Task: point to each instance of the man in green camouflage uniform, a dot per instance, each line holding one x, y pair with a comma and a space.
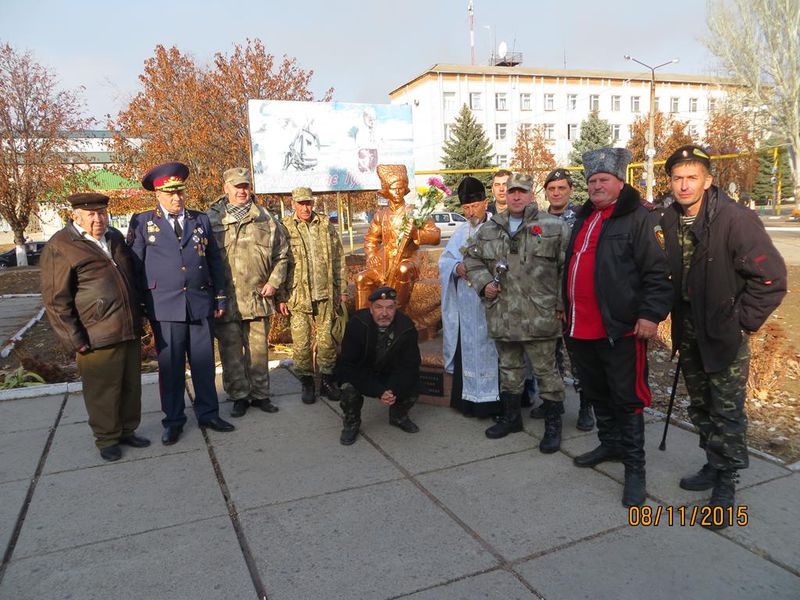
516, 263
255, 254
727, 278
317, 284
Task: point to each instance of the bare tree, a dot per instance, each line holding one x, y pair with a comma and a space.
758, 43
34, 115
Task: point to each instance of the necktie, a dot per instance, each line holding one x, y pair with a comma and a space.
178, 228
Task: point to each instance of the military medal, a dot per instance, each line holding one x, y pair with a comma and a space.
195, 239
151, 239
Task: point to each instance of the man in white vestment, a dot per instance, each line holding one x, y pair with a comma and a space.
469, 353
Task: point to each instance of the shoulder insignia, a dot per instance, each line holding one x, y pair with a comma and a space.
660, 237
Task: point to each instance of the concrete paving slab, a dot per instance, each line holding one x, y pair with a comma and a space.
158, 564
75, 410
265, 467
281, 382
682, 457
92, 505
772, 527
491, 586
529, 502
292, 415
16, 312
658, 563
20, 453
12, 496
446, 438
375, 542
29, 413
73, 445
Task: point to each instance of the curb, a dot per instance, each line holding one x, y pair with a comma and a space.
18, 336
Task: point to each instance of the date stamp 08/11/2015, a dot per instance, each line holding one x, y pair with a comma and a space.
681, 516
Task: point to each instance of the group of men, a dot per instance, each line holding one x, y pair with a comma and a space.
602, 276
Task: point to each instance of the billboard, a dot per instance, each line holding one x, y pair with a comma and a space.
327, 146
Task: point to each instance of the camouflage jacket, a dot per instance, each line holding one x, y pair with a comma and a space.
531, 293
329, 257
255, 251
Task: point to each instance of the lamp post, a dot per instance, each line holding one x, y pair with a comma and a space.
651, 151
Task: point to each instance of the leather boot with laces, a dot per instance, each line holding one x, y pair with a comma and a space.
704, 479
724, 496
510, 421
329, 388
308, 395
551, 442
585, 418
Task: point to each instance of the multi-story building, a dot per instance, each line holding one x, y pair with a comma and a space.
504, 97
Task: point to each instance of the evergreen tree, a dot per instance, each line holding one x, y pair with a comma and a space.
595, 133
763, 188
467, 148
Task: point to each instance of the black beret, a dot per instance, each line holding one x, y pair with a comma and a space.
688, 153
168, 176
557, 174
383, 293
88, 200
471, 190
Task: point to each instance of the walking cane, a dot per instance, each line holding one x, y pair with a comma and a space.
663, 445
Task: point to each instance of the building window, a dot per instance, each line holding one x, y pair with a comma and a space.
525, 102
549, 101
475, 101
502, 160
549, 131
634, 104
656, 105
500, 102
500, 131
572, 131
673, 104
692, 104
448, 131
615, 103
449, 100
615, 129
712, 104
526, 127
594, 102
572, 101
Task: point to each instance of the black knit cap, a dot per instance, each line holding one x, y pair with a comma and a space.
471, 190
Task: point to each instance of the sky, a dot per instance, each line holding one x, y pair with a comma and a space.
363, 50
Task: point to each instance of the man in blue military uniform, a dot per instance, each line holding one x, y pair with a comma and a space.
181, 274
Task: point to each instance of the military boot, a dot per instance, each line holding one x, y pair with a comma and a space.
585, 418
551, 442
704, 479
724, 496
632, 443
351, 403
511, 419
608, 434
239, 407
538, 412
309, 395
329, 388
398, 414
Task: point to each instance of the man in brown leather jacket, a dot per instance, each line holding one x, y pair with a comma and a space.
92, 305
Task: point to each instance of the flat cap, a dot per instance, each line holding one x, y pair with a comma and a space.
519, 181
302, 194
606, 160
166, 177
237, 176
471, 190
88, 200
557, 174
383, 293
688, 153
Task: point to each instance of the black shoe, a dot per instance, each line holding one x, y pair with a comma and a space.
704, 479
111, 453
537, 412
585, 418
598, 455
171, 434
329, 388
309, 396
503, 427
239, 408
633, 494
349, 435
134, 441
217, 424
551, 442
405, 424
724, 496
266, 405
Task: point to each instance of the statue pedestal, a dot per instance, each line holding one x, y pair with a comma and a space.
435, 385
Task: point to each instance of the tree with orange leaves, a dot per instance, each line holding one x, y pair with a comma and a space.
198, 115
532, 155
729, 130
670, 134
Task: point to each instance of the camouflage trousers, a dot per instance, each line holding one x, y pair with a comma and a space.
716, 404
321, 317
352, 401
542, 356
243, 348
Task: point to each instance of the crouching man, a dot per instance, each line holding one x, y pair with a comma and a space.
379, 358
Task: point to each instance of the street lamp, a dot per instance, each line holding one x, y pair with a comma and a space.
651, 151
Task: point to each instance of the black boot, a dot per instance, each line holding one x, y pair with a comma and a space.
309, 395
585, 418
329, 388
351, 403
608, 434
239, 408
704, 479
632, 443
510, 421
724, 496
551, 442
633, 494
538, 412
398, 414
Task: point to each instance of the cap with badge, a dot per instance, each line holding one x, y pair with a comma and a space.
383, 293
471, 190
237, 176
613, 161
166, 177
88, 200
688, 153
302, 194
557, 174
519, 181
